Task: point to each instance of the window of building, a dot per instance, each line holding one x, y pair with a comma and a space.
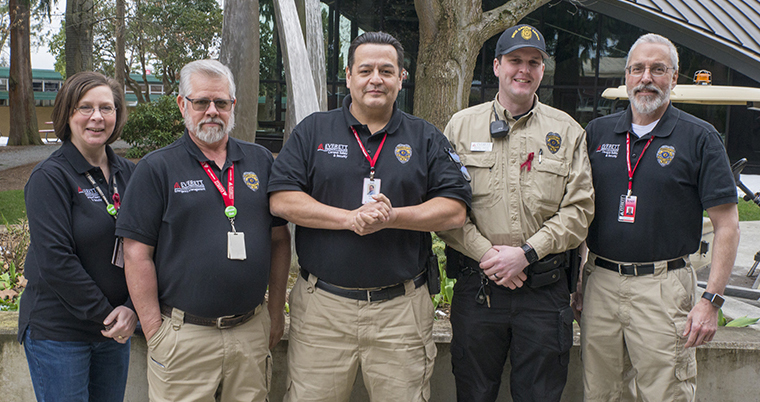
52, 86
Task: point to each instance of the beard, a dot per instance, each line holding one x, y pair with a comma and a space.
648, 104
210, 135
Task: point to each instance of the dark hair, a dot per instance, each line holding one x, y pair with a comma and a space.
376, 38
73, 90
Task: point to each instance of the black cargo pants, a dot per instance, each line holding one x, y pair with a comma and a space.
531, 326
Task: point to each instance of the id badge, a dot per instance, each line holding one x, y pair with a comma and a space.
627, 209
371, 187
118, 253
236, 245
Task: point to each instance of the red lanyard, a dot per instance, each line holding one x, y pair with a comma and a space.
229, 198
628, 158
372, 161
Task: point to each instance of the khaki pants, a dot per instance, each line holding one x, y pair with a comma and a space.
331, 337
189, 362
631, 328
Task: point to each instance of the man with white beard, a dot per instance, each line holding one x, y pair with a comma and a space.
200, 249
655, 169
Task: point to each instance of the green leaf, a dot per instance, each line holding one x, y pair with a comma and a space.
721, 318
742, 322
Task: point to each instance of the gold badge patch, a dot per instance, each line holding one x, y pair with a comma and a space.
403, 152
526, 33
251, 180
665, 155
553, 142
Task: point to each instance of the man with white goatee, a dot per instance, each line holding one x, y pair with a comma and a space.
655, 169
200, 248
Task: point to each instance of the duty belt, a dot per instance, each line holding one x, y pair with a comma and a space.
369, 294
548, 263
635, 269
224, 322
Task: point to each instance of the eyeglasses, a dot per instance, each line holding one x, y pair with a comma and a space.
657, 70
201, 105
89, 110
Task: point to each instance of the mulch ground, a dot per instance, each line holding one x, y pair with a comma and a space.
15, 178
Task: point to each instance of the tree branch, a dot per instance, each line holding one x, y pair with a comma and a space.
505, 16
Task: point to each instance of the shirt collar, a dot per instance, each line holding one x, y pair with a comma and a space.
663, 129
505, 114
234, 152
80, 164
390, 128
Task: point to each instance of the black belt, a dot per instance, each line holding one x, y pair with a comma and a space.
227, 321
551, 261
370, 295
636, 269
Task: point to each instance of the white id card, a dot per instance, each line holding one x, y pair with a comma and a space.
627, 209
118, 253
371, 187
236, 245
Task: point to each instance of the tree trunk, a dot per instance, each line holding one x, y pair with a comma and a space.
310, 13
240, 52
80, 18
120, 64
23, 116
297, 67
452, 32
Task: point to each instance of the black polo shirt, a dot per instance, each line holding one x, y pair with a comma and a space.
683, 171
72, 284
176, 208
323, 159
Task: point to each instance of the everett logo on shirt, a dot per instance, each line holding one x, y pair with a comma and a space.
609, 150
336, 150
188, 186
90, 193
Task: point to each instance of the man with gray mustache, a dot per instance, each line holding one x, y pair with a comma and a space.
655, 169
200, 249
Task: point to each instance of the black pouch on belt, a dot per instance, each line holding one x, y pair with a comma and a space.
454, 263
433, 272
545, 271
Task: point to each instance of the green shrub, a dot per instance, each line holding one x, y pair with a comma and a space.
152, 126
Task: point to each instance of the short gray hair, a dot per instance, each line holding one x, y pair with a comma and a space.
658, 39
210, 69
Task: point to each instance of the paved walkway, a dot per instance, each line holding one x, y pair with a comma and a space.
16, 156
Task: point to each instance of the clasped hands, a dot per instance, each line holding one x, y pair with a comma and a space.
372, 216
504, 265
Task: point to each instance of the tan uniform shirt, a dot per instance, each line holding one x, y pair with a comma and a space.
550, 205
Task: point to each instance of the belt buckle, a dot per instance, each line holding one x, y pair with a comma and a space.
219, 324
369, 296
635, 269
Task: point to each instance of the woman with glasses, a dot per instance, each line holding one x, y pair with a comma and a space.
75, 318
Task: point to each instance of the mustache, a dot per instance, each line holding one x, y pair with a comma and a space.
647, 87
214, 120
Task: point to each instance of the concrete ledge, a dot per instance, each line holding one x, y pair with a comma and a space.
729, 368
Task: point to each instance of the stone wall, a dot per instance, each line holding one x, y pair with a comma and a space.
729, 368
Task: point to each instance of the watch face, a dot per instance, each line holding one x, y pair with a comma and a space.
716, 299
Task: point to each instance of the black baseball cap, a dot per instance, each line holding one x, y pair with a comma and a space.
518, 37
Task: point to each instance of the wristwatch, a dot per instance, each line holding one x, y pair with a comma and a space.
530, 254
714, 298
